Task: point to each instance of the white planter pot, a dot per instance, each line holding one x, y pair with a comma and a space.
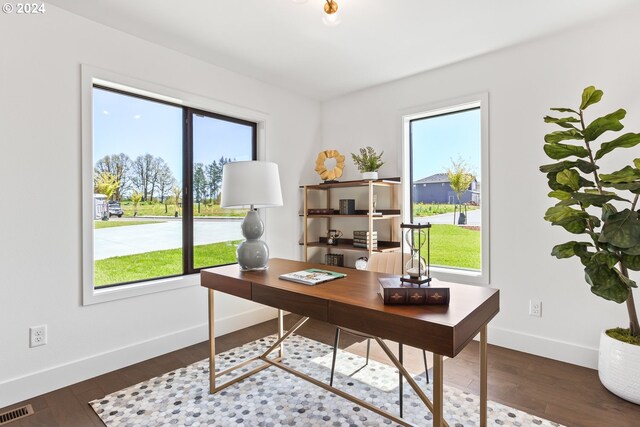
369, 175
619, 368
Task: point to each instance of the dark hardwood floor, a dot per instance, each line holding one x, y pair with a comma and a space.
560, 392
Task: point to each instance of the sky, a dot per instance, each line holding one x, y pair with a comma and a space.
438, 139
134, 126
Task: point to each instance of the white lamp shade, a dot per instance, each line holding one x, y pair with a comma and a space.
250, 183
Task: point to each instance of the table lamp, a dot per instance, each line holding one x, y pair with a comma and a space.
251, 184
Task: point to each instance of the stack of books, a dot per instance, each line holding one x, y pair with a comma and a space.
347, 206
334, 259
365, 239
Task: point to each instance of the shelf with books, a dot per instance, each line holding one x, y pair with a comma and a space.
347, 245
364, 205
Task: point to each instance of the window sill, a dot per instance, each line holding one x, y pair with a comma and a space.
469, 277
97, 296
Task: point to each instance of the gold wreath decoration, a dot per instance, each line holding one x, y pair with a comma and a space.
336, 172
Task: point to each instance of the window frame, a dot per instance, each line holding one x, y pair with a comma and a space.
480, 100
191, 104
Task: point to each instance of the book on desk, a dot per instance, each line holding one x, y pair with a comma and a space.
312, 276
394, 292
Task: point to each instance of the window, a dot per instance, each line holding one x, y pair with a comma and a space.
446, 171
154, 187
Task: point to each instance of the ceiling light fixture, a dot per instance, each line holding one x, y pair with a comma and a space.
331, 17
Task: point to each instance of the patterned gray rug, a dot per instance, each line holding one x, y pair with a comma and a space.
274, 397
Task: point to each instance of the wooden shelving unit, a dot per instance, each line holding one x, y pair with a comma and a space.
365, 219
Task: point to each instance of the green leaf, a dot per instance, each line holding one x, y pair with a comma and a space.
606, 258
636, 163
632, 262
583, 165
572, 220
595, 221
606, 283
569, 249
588, 199
634, 187
608, 210
565, 122
626, 174
555, 185
560, 151
610, 122
570, 178
562, 135
559, 194
564, 110
627, 140
590, 96
635, 250
622, 229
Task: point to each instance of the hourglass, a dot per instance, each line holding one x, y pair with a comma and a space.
416, 270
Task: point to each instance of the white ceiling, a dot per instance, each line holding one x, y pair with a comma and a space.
286, 44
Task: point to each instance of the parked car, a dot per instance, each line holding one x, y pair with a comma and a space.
115, 209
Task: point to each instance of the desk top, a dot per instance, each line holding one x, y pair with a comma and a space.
353, 302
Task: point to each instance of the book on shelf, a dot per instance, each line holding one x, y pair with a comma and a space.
312, 276
364, 233
393, 291
347, 206
365, 246
315, 211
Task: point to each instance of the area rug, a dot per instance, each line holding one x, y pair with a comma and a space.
274, 397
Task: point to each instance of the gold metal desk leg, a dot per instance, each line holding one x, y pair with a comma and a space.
438, 389
212, 345
281, 331
483, 376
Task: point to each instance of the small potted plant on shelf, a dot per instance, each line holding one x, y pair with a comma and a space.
368, 162
600, 210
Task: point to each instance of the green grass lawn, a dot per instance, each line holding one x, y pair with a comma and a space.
159, 209
154, 264
428, 209
110, 224
454, 246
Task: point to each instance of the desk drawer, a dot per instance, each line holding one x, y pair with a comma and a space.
293, 302
228, 285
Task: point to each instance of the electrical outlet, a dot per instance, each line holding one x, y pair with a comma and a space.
535, 308
37, 335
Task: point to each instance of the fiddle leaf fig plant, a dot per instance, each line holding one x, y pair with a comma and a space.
598, 207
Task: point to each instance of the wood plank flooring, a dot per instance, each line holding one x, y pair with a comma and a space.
564, 393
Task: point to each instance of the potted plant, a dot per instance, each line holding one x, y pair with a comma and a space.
601, 210
368, 162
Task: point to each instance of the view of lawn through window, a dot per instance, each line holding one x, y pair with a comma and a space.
146, 226
445, 185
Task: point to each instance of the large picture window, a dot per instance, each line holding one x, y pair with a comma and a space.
446, 153
157, 171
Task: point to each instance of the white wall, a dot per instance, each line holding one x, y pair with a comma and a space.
40, 222
523, 82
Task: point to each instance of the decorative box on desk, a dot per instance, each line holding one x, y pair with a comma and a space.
393, 291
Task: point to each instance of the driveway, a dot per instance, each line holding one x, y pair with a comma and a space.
136, 239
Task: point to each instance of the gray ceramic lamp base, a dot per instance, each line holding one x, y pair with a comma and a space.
253, 254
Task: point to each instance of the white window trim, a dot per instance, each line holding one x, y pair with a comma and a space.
90, 76
442, 107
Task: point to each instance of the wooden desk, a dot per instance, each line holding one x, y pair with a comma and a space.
353, 302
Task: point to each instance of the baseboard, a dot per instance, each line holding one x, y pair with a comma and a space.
575, 354
36, 383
